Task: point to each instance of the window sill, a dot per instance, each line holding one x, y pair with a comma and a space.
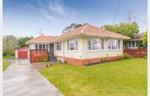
94, 50
114, 50
72, 50
58, 50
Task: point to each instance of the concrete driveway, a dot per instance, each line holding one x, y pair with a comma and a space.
22, 79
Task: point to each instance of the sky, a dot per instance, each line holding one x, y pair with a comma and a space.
30, 17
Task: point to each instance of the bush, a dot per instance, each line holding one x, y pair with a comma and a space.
59, 62
103, 60
125, 56
8, 56
44, 58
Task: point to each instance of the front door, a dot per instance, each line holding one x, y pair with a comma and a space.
51, 49
52, 58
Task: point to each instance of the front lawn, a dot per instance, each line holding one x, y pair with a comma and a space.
120, 78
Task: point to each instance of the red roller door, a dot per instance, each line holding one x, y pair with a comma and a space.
22, 53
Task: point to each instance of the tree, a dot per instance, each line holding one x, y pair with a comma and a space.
145, 39
9, 44
126, 28
22, 41
71, 27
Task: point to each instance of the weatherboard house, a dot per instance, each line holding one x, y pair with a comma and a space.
84, 45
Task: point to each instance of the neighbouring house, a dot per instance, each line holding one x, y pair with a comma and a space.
134, 47
84, 45
135, 42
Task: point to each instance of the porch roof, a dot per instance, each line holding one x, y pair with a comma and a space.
41, 39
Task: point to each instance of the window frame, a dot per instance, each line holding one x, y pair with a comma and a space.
41, 47
58, 46
92, 47
75, 44
36, 47
133, 44
115, 44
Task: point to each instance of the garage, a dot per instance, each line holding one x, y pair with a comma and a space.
21, 53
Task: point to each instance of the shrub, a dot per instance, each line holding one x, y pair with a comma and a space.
8, 56
44, 58
102, 60
59, 62
126, 56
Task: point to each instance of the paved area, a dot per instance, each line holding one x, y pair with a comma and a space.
22, 79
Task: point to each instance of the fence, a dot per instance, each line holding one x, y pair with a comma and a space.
38, 56
141, 52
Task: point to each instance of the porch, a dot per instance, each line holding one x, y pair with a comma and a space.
42, 53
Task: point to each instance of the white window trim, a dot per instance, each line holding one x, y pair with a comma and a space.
75, 45
38, 47
56, 46
135, 45
91, 40
118, 47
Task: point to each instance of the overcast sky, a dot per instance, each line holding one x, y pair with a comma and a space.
27, 17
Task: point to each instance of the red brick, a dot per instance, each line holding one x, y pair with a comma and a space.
82, 62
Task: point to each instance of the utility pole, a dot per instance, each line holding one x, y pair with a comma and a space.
130, 17
40, 31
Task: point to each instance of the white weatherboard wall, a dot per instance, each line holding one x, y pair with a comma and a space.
67, 53
31, 46
84, 53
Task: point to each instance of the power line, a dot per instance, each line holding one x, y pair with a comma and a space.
116, 13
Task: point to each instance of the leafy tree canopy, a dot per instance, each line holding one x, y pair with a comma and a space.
126, 28
71, 26
9, 44
22, 41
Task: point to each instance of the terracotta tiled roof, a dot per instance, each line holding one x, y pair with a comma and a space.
88, 30
41, 39
91, 30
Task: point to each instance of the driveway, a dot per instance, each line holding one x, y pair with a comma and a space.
22, 79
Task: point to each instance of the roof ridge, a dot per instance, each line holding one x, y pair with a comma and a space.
71, 30
83, 29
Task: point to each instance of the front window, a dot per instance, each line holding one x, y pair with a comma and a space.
129, 44
46, 47
113, 44
41, 46
95, 44
133, 44
72, 44
58, 46
36, 46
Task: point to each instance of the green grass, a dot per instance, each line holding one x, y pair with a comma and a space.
5, 64
120, 78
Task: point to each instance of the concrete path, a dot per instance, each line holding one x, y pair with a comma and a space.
22, 79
